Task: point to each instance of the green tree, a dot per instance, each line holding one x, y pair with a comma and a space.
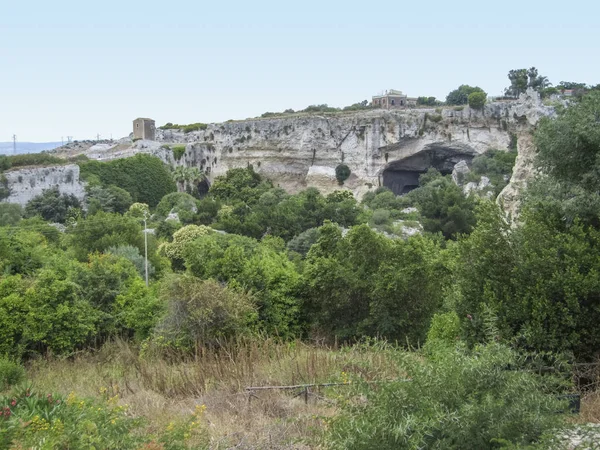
145, 177
203, 313
51, 205
477, 99
460, 96
10, 214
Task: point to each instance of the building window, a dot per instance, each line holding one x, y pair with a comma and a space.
393, 102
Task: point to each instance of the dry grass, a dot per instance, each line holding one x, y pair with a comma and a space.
164, 391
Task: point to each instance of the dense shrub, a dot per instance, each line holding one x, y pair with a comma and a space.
202, 313
263, 269
182, 238
342, 172
460, 96
477, 99
10, 214
107, 199
457, 400
11, 373
178, 151
51, 205
145, 177
353, 288
34, 420
184, 205
132, 254
34, 159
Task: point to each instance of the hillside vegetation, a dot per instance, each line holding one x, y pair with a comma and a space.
465, 334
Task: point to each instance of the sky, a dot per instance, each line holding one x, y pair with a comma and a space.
82, 69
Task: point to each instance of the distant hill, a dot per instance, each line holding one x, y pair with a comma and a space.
6, 148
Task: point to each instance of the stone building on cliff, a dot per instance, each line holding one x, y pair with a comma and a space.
144, 128
393, 99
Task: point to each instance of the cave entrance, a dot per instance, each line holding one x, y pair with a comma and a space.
402, 176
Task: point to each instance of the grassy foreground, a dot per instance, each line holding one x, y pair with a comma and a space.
168, 393
136, 396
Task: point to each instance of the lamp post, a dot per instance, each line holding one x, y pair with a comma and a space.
146, 247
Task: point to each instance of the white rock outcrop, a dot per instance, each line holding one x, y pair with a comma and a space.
26, 183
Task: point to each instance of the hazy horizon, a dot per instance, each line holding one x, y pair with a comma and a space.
80, 70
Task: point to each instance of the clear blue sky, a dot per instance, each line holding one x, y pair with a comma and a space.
81, 68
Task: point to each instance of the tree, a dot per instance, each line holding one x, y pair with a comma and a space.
521, 79
51, 205
460, 96
10, 214
443, 206
203, 313
569, 146
477, 99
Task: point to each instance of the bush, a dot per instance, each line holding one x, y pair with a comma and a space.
477, 99
342, 172
182, 238
35, 159
178, 152
145, 177
29, 419
51, 205
11, 373
458, 400
203, 313
10, 214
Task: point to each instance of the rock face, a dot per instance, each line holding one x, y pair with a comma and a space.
26, 183
381, 147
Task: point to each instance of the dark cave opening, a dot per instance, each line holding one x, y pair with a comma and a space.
402, 176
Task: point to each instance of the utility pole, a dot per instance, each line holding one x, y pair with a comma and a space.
98, 137
14, 144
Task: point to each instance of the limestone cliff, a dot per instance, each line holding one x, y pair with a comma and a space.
381, 147
28, 182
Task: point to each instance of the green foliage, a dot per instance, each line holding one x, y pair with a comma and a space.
457, 400
5, 163
568, 147
133, 255
181, 203
145, 177
497, 165
33, 159
21, 251
427, 101
444, 329
178, 151
460, 96
342, 172
263, 269
185, 128
51, 205
10, 214
239, 184
4, 188
540, 280
443, 206
521, 79
103, 230
353, 287
302, 242
34, 420
477, 99
11, 373
182, 238
109, 199
202, 313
